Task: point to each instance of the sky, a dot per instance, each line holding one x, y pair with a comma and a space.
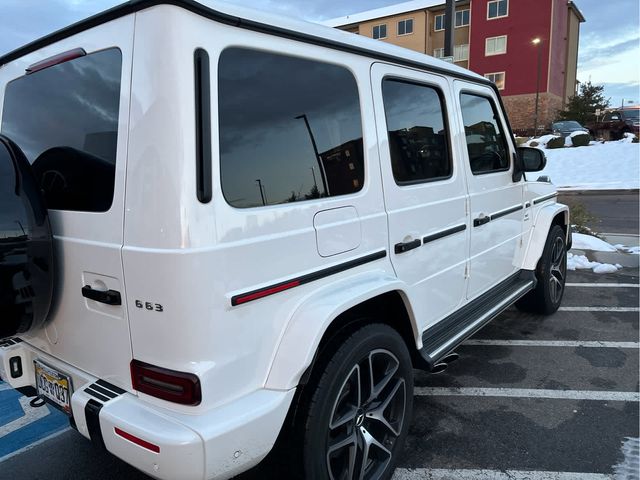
609, 52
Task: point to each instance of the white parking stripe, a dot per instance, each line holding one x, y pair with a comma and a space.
527, 393
459, 474
604, 285
599, 309
552, 343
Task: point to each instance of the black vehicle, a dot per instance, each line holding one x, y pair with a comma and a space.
567, 127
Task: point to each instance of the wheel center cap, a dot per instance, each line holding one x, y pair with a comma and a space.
359, 418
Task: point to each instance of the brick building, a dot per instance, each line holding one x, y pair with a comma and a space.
495, 38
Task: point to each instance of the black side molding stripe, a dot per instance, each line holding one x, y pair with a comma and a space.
92, 416
527, 205
310, 277
444, 233
544, 199
506, 212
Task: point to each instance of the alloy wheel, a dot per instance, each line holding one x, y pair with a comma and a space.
558, 270
366, 419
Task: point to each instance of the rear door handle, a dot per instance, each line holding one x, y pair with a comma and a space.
481, 220
110, 297
406, 246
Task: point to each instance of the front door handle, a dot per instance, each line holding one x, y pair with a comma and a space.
481, 220
406, 246
110, 297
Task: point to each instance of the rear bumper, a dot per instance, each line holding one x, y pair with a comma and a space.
219, 443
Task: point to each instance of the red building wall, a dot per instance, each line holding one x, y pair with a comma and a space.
527, 19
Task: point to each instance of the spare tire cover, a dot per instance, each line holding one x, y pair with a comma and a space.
26, 247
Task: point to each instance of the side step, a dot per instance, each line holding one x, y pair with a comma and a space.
450, 332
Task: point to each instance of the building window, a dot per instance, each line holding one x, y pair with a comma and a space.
462, 18
497, 9
438, 23
495, 45
461, 53
497, 78
405, 27
418, 136
380, 31
438, 52
303, 139
486, 144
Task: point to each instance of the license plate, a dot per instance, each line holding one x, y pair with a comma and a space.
53, 386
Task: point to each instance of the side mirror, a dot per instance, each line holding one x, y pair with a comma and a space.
532, 159
26, 248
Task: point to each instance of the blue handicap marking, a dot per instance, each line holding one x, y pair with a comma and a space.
21, 425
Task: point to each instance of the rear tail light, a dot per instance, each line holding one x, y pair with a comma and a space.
177, 387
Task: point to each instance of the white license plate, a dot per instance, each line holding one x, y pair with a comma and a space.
53, 385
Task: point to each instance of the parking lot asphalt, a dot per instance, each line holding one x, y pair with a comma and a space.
613, 211
531, 397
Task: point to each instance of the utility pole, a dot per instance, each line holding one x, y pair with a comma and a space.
449, 24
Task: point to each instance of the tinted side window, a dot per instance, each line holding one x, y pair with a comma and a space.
418, 140
65, 119
290, 129
486, 143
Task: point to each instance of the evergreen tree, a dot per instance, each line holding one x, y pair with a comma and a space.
582, 106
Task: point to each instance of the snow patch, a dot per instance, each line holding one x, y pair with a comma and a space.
588, 242
599, 166
623, 248
581, 262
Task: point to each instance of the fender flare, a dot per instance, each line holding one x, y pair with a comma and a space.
306, 327
540, 230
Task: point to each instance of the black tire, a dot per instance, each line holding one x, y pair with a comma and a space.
331, 398
551, 274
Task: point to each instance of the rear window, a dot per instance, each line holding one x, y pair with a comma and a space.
290, 129
65, 119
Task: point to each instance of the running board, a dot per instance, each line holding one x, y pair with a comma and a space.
450, 332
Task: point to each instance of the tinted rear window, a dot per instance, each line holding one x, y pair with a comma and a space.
290, 129
65, 119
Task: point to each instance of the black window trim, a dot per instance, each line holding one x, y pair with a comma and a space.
363, 187
445, 113
202, 80
500, 125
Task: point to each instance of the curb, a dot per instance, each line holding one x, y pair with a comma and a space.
630, 191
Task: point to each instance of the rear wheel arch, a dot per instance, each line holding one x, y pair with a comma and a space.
390, 308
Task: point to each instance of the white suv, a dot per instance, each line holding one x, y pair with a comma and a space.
251, 229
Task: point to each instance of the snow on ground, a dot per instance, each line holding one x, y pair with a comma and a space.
623, 248
589, 242
581, 262
599, 166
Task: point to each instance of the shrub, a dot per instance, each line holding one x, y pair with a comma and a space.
581, 140
556, 142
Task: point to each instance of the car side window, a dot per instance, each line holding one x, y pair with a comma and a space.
417, 132
65, 120
290, 129
486, 141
